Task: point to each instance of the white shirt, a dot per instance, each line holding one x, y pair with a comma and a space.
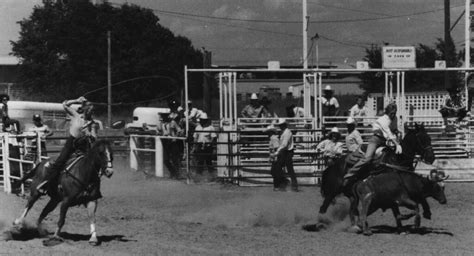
286, 140
354, 141
193, 113
356, 112
299, 111
330, 148
386, 126
42, 130
331, 102
204, 135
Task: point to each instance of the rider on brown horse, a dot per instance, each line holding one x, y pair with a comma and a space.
384, 128
81, 136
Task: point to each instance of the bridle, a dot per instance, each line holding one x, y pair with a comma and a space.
107, 170
424, 149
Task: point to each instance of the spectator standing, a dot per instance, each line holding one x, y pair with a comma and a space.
172, 146
273, 146
358, 111
294, 111
331, 148
204, 138
353, 139
43, 132
254, 109
193, 113
329, 102
266, 108
6, 120
285, 153
453, 106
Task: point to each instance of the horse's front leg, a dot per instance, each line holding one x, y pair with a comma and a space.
91, 209
354, 214
50, 206
62, 216
31, 201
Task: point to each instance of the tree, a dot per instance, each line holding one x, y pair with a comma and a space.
63, 52
415, 81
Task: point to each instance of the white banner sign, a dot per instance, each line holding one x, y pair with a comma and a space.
398, 57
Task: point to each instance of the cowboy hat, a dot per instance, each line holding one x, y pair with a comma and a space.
334, 130
281, 121
327, 88
36, 117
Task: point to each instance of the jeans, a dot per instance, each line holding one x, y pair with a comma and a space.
374, 142
285, 158
204, 158
58, 165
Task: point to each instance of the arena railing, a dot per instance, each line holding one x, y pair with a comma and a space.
19, 152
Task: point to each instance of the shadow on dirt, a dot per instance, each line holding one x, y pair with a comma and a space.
24, 232
102, 239
384, 229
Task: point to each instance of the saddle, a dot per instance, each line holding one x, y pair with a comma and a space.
353, 157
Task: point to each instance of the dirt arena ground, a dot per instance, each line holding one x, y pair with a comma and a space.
147, 216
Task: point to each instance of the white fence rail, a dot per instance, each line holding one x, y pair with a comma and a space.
12, 162
140, 144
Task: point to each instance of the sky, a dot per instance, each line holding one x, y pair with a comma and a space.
253, 32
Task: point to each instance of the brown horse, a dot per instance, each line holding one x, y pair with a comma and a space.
77, 184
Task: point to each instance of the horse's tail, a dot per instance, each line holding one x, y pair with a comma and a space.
332, 179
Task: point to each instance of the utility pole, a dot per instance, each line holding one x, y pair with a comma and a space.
447, 42
467, 57
306, 85
305, 34
315, 38
109, 81
467, 35
206, 88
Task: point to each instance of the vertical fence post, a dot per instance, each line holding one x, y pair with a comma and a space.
4, 178
133, 153
158, 157
23, 151
6, 164
39, 152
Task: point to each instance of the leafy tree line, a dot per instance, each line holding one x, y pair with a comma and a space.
63, 53
416, 81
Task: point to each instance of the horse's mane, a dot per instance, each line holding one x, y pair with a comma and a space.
94, 153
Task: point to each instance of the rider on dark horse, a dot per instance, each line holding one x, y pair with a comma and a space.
384, 129
81, 136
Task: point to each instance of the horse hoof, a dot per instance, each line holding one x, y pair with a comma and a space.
94, 242
354, 229
367, 233
55, 240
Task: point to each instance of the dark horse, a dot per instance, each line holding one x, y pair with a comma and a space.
416, 141
78, 184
